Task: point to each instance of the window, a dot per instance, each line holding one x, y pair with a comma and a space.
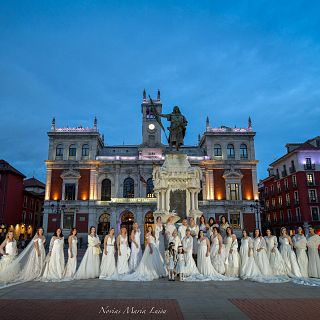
280, 200
308, 161
289, 215
266, 191
233, 189
106, 190
230, 150
128, 188
267, 204
296, 197
59, 150
286, 186
72, 150
85, 150
310, 179
312, 195
281, 216
273, 203
217, 151
68, 221
288, 199
272, 189
298, 214
25, 201
149, 192
268, 217
275, 217
315, 213
70, 191
294, 181
235, 220
24, 215
243, 151
278, 186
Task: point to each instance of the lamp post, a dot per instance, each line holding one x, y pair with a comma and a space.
59, 209
256, 208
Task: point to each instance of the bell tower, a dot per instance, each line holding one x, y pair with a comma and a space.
151, 130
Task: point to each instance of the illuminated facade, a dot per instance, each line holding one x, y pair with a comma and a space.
91, 183
290, 194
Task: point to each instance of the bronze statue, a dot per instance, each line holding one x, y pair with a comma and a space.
177, 129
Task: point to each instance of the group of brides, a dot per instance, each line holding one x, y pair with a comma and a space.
203, 252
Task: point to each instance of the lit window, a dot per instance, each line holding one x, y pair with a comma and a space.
233, 191
312, 195
150, 193
310, 178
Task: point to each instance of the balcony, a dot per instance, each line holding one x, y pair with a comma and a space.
276, 176
309, 166
284, 173
311, 183
292, 169
296, 202
279, 190
288, 204
313, 200
294, 185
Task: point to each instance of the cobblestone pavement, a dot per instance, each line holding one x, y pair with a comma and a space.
197, 300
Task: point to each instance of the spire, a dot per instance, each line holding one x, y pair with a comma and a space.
102, 138
144, 95
207, 122
199, 138
53, 124
95, 122
158, 97
249, 123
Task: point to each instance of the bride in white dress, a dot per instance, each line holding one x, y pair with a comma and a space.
71, 266
136, 253
190, 265
123, 252
232, 262
54, 266
151, 265
313, 253
248, 268
276, 262
260, 254
300, 244
288, 255
217, 252
108, 263
9, 252
159, 235
90, 265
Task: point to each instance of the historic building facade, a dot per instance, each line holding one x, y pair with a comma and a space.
290, 194
89, 182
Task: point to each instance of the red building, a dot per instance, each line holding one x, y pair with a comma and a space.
21, 201
290, 194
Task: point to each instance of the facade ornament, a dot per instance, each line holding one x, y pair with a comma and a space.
53, 124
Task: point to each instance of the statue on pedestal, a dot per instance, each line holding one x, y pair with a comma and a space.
178, 124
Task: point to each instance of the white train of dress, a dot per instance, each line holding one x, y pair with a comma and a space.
90, 265
108, 263
136, 252
276, 261
313, 254
54, 265
159, 238
232, 262
300, 245
190, 265
217, 260
71, 266
260, 256
289, 258
8, 269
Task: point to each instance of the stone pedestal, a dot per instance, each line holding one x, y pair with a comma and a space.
176, 186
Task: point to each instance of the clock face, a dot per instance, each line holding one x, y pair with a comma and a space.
151, 126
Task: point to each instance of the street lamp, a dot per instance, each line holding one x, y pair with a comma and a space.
59, 210
256, 208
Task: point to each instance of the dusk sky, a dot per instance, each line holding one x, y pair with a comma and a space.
226, 59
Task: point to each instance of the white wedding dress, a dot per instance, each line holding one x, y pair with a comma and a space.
190, 265
248, 268
194, 231
276, 261
108, 263
71, 266
159, 238
54, 265
300, 244
232, 262
8, 270
313, 254
122, 263
289, 258
90, 265
217, 259
260, 256
136, 253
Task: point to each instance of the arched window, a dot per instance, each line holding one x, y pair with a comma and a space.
128, 188
104, 224
150, 193
106, 190
243, 151
85, 150
127, 220
230, 150
217, 152
59, 150
72, 150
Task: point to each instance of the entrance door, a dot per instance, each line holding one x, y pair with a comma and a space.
104, 224
127, 219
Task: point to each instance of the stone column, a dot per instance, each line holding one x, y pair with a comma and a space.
48, 183
93, 184
163, 207
167, 200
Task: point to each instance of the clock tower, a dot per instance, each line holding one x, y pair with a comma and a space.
151, 130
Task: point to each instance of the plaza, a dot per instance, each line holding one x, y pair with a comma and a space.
197, 300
